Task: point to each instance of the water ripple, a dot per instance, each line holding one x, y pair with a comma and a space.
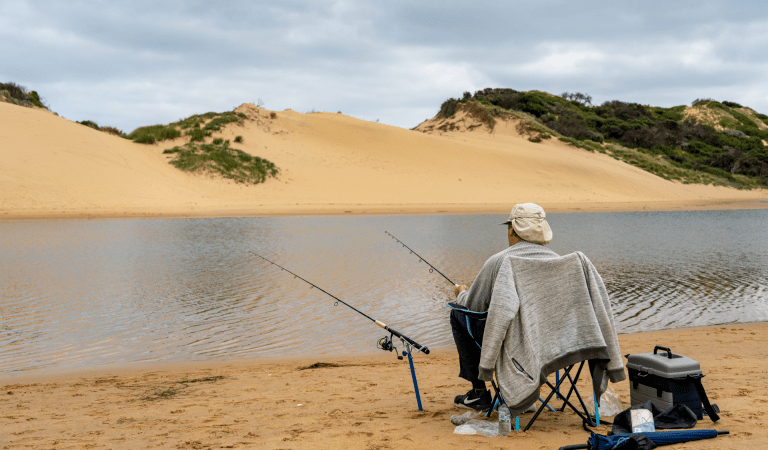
85, 293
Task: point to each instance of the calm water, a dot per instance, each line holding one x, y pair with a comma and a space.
84, 293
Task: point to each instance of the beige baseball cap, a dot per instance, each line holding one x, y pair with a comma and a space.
530, 223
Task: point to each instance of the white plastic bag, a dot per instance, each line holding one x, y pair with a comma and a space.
461, 419
481, 427
610, 405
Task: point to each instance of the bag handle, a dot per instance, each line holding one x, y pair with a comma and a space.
659, 347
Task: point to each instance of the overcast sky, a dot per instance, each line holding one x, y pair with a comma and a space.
129, 64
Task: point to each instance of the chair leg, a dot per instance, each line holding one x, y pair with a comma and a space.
573, 382
545, 403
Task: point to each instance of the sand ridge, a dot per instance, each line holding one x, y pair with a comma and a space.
361, 401
330, 163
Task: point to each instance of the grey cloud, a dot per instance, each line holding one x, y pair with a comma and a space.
130, 64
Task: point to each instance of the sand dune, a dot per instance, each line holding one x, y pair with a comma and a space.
330, 163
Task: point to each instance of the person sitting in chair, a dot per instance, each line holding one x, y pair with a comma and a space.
497, 294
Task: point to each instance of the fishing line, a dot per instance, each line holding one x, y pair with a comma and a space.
432, 268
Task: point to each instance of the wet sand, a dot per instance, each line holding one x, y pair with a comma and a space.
330, 164
365, 402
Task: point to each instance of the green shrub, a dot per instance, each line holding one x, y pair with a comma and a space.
89, 123
218, 141
14, 91
220, 159
220, 120
238, 139
34, 97
448, 108
112, 130
154, 133
197, 135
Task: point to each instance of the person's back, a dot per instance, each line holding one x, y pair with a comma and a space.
527, 233
529, 269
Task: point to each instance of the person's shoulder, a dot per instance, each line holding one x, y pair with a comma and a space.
525, 249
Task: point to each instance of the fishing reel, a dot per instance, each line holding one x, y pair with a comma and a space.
388, 345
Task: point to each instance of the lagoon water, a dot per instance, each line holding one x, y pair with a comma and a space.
83, 293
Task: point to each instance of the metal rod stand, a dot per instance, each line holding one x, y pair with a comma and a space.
413, 375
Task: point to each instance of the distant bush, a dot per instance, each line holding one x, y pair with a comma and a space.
112, 130
700, 101
448, 108
273, 115
14, 90
154, 133
89, 123
109, 130
34, 97
737, 133
220, 120
220, 159
218, 141
197, 134
18, 95
238, 139
658, 132
481, 113
578, 98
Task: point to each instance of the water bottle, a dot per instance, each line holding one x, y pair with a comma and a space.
505, 421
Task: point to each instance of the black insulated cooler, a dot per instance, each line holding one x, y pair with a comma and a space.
665, 379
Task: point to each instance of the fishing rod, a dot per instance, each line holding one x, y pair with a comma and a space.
432, 268
384, 343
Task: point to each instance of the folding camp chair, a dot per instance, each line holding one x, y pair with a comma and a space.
554, 389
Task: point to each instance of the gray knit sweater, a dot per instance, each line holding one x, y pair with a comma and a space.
545, 312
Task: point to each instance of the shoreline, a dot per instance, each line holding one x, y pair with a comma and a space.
385, 209
360, 401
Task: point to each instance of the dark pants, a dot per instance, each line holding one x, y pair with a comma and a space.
468, 334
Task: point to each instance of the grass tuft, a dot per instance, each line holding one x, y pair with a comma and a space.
154, 133
220, 159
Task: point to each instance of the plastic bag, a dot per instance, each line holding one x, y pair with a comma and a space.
461, 419
610, 405
481, 427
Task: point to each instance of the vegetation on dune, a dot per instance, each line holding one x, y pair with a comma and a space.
220, 159
711, 142
110, 130
197, 127
196, 156
18, 95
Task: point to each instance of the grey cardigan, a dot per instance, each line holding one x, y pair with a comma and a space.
545, 312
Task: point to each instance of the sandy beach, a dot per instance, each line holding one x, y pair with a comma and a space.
330, 164
361, 401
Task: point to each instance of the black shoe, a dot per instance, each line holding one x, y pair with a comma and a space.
472, 400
